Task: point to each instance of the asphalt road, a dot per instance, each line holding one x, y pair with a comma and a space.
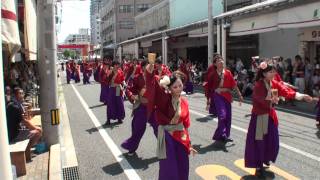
299, 155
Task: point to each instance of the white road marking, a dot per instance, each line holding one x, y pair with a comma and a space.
127, 168
293, 149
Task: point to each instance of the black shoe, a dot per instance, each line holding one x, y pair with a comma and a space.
228, 140
107, 122
131, 153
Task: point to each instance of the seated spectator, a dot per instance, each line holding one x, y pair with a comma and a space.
7, 95
316, 91
247, 89
16, 116
316, 76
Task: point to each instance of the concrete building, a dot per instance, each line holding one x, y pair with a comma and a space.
95, 8
249, 28
82, 38
117, 21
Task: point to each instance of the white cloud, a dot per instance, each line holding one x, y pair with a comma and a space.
75, 15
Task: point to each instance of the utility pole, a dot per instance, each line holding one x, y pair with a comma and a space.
6, 171
115, 31
210, 33
47, 56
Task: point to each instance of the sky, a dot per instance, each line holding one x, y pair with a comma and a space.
75, 15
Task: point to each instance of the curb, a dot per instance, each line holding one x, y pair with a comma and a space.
55, 170
68, 153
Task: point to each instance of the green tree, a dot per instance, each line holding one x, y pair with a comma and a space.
72, 54
66, 54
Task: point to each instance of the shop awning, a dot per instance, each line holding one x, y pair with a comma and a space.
306, 15
110, 46
201, 32
9, 27
302, 16
254, 25
30, 29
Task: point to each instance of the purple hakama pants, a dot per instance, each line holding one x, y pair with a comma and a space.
258, 152
115, 109
223, 109
176, 166
138, 126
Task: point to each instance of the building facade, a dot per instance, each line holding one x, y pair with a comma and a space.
248, 28
82, 38
117, 21
95, 8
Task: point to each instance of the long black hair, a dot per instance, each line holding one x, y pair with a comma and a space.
260, 74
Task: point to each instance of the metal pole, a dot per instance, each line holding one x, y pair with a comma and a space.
120, 56
47, 51
218, 37
210, 33
164, 49
136, 49
115, 31
224, 43
6, 171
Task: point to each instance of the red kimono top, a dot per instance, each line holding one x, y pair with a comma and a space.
186, 70
68, 68
213, 83
78, 70
104, 76
165, 71
278, 78
262, 106
138, 88
131, 70
164, 111
118, 79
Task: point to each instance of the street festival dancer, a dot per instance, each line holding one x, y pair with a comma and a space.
172, 115
220, 85
262, 144
137, 95
104, 82
115, 106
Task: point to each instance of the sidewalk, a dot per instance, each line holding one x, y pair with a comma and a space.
37, 169
69, 160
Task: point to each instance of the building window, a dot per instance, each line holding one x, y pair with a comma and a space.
126, 24
142, 7
125, 8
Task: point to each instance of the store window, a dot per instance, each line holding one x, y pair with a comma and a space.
126, 24
125, 8
142, 7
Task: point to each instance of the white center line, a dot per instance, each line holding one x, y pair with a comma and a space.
293, 149
127, 168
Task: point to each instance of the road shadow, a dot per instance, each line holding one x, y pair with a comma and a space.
216, 146
113, 169
135, 161
96, 106
205, 119
111, 126
138, 162
318, 132
268, 175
